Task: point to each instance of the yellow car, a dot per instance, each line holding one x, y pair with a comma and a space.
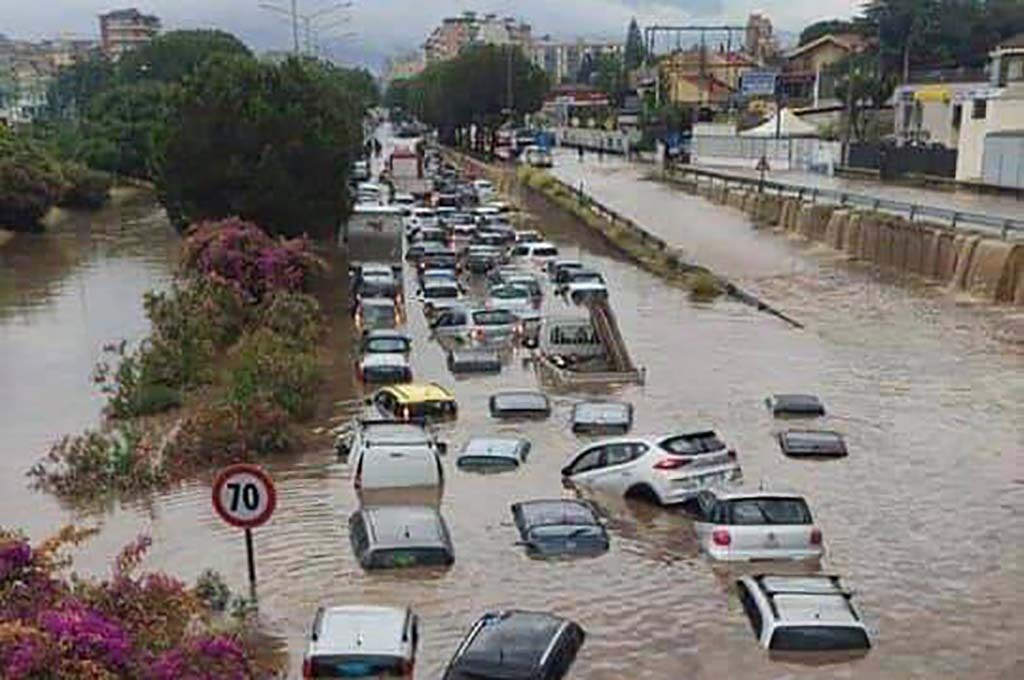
415, 401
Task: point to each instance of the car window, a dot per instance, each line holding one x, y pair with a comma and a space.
619, 454
521, 251
769, 511
818, 638
546, 251
693, 444
495, 317
590, 460
750, 607
355, 666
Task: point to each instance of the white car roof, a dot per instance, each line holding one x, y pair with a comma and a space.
819, 609
360, 628
586, 285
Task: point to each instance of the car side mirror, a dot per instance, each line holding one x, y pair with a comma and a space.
368, 401
442, 448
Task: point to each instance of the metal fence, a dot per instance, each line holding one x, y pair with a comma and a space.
895, 161
1006, 227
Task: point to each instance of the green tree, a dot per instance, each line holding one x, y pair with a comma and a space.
77, 84
871, 88
171, 57
270, 143
605, 72
635, 53
484, 87
834, 26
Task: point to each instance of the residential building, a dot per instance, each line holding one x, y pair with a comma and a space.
809, 77
706, 91
125, 29
470, 28
27, 70
759, 41
562, 60
725, 67
991, 142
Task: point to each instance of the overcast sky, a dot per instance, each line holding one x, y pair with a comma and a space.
384, 27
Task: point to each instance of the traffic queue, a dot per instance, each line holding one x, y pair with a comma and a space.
488, 288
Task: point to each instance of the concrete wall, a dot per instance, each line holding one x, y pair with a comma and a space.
986, 267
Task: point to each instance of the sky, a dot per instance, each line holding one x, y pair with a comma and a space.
377, 29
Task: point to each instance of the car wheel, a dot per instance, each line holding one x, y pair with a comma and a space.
643, 492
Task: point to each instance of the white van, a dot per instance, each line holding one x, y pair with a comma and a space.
389, 455
569, 336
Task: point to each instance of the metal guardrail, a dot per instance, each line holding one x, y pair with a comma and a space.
1006, 227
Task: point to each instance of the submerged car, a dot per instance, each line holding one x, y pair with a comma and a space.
395, 536
520, 404
516, 299
602, 417
666, 470
802, 614
485, 454
516, 645
806, 405
384, 368
385, 341
812, 444
415, 401
462, 361
738, 525
400, 457
377, 313
362, 641
549, 528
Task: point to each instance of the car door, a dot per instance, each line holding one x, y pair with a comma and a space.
618, 472
585, 469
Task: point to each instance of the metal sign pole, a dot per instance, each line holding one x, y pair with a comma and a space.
251, 555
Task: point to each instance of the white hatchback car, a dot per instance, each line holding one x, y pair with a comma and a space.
736, 525
360, 641
668, 470
538, 253
802, 614
388, 454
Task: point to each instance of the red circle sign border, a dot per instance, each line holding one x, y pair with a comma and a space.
256, 471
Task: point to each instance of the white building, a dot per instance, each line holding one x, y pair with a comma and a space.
992, 124
562, 60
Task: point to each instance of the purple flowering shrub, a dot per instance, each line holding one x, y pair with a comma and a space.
131, 625
243, 256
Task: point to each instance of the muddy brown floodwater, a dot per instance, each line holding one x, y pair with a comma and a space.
923, 519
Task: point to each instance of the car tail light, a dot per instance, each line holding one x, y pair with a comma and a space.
721, 537
815, 536
671, 463
360, 376
477, 333
405, 413
406, 668
731, 453
307, 668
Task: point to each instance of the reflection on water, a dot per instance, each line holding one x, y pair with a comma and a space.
922, 519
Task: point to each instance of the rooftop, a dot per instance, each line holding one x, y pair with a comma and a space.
371, 630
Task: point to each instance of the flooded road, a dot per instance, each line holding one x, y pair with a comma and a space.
923, 519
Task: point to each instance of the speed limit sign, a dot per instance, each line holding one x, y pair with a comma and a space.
244, 495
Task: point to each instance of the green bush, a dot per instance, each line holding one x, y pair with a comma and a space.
268, 368
27, 192
95, 463
227, 433
295, 318
83, 188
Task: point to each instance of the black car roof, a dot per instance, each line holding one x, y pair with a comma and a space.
561, 511
510, 644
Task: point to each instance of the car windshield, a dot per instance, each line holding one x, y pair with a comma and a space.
411, 557
545, 251
497, 317
769, 511
441, 293
559, 532
431, 409
510, 293
818, 638
354, 665
693, 444
586, 277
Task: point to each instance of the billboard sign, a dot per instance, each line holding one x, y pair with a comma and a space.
758, 83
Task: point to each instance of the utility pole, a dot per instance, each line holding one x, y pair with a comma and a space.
295, 26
